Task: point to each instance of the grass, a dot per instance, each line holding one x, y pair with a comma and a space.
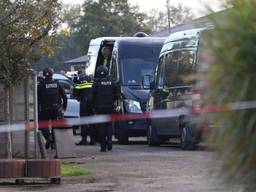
73, 170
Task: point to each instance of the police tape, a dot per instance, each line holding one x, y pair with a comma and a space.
96, 119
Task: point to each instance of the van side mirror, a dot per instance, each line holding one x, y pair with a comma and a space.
147, 82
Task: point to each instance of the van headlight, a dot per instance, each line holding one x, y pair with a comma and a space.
132, 106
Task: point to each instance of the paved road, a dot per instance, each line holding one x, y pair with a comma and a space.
138, 168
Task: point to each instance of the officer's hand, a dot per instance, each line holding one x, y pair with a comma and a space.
118, 108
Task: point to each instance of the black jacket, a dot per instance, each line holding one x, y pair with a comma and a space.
83, 93
83, 89
51, 93
105, 92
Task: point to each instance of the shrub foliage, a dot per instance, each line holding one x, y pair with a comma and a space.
231, 79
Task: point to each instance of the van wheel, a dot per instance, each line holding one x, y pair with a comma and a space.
186, 138
152, 137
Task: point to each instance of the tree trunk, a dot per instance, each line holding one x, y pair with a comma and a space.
8, 116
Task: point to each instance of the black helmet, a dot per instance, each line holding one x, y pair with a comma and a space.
47, 72
102, 71
81, 73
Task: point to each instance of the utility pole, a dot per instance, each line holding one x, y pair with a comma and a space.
168, 14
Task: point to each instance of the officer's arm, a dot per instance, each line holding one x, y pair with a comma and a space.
76, 93
39, 94
94, 93
63, 96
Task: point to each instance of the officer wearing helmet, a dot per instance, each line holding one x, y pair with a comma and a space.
105, 92
83, 93
52, 100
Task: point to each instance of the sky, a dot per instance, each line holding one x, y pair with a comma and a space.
196, 6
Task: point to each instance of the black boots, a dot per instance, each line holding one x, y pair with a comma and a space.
92, 141
82, 142
109, 146
50, 143
103, 148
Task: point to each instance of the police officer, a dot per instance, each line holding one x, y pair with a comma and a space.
105, 92
52, 100
83, 93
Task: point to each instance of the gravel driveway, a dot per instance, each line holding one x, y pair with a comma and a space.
138, 168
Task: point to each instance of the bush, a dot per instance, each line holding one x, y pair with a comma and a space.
231, 79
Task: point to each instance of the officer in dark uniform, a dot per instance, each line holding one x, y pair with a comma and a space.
105, 92
83, 93
52, 100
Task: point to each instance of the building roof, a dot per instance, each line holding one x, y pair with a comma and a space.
79, 60
196, 23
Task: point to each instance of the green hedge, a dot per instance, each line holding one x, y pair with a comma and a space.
231, 78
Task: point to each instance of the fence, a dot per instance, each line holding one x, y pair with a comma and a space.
20, 110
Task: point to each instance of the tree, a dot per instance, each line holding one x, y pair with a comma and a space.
108, 18
158, 20
232, 79
24, 29
64, 49
70, 15
63, 44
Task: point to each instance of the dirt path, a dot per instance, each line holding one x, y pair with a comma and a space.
138, 168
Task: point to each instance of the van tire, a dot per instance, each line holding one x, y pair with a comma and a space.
152, 137
186, 137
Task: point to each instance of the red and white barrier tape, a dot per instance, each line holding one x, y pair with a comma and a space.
93, 120
229, 107
168, 113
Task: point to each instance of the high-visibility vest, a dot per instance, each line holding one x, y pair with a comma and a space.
84, 85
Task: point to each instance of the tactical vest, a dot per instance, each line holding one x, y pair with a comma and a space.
105, 91
49, 91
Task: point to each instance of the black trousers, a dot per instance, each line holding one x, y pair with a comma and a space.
46, 114
104, 129
105, 134
87, 130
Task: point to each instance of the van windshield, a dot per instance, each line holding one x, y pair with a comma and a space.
137, 61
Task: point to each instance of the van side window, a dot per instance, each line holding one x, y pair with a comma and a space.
159, 73
180, 65
187, 67
171, 68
